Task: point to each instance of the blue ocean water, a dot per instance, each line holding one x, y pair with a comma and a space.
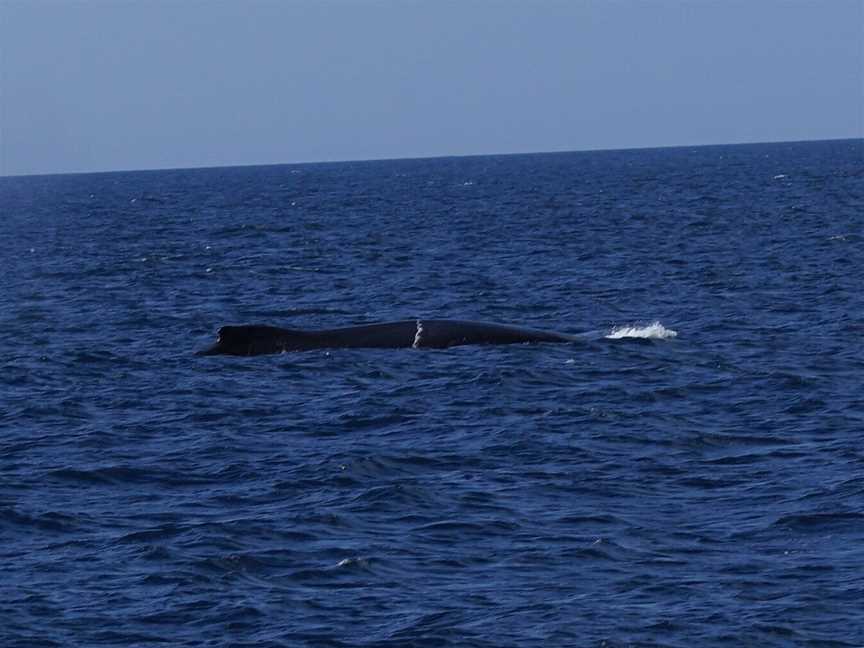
690, 473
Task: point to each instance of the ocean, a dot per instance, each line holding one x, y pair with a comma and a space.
690, 472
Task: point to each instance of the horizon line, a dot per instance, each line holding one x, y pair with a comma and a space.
420, 157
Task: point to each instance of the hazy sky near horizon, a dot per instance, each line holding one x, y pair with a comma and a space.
138, 84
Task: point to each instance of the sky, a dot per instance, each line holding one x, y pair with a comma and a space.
99, 85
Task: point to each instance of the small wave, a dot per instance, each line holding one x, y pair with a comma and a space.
354, 563
653, 331
820, 520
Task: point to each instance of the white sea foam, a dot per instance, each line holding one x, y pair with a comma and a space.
653, 331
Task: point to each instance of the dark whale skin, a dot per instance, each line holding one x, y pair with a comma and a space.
257, 339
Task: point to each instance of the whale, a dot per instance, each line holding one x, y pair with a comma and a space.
258, 339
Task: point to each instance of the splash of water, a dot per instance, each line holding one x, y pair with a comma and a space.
653, 331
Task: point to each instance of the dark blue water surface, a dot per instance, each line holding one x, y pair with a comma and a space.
690, 473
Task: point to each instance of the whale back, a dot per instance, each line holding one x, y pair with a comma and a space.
256, 339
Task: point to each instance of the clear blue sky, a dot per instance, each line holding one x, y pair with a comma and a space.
138, 84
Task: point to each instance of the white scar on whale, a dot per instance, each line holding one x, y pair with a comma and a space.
417, 335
